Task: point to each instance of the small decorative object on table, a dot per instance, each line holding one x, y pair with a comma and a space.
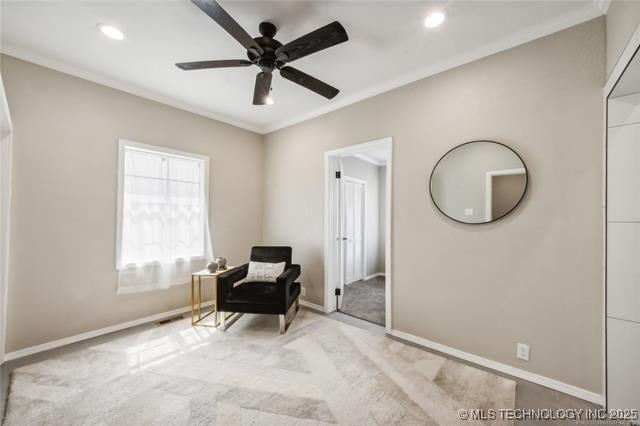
212, 267
221, 262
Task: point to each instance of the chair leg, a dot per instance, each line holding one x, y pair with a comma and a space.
228, 321
285, 321
223, 321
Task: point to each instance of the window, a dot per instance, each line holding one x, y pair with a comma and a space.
163, 219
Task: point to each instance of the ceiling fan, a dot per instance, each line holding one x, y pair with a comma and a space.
269, 54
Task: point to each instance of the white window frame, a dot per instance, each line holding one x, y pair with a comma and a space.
122, 145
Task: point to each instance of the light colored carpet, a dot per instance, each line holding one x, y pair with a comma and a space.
365, 300
321, 372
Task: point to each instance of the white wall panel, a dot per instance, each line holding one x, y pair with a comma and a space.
623, 271
623, 176
623, 366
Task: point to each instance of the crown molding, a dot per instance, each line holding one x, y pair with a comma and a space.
535, 32
79, 72
595, 9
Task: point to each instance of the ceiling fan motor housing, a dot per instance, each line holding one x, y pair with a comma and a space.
267, 61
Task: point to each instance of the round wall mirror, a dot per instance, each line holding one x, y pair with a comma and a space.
478, 182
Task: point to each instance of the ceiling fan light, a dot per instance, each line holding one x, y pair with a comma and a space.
111, 32
434, 19
269, 100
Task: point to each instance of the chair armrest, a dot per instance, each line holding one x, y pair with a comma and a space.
289, 275
226, 280
287, 278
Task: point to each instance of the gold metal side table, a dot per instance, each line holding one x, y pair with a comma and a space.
197, 317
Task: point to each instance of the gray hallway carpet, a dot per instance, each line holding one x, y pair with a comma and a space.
320, 372
365, 300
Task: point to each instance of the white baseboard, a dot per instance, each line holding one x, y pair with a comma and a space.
95, 333
313, 306
504, 368
377, 274
494, 365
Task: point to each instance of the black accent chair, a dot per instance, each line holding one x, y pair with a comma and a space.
279, 299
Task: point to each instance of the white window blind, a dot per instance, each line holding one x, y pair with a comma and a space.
163, 217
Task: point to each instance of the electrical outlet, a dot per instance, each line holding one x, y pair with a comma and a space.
522, 351
303, 291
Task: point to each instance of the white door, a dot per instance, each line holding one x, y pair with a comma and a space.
353, 229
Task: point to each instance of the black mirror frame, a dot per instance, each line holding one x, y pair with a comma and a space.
524, 192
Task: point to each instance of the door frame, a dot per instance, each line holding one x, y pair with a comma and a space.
330, 248
6, 145
363, 262
488, 188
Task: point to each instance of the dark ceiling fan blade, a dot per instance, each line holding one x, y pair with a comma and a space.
315, 41
262, 89
218, 14
311, 83
201, 65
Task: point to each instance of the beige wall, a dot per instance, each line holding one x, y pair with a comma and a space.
66, 130
533, 277
623, 17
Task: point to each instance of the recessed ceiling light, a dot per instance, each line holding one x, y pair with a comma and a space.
434, 19
270, 101
111, 32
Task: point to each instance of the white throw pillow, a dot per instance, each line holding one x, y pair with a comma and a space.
264, 272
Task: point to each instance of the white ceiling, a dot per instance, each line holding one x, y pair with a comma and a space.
388, 47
